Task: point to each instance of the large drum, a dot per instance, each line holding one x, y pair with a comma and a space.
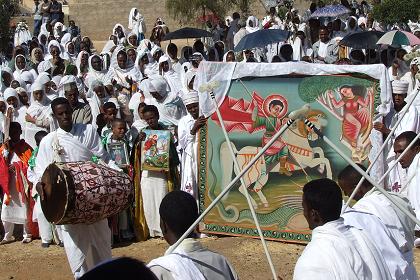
84, 192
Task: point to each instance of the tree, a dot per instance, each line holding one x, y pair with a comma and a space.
187, 11
7, 9
391, 11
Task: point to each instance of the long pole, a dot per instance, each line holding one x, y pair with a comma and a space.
297, 114
361, 171
237, 170
403, 112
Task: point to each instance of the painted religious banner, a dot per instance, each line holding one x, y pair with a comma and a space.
254, 108
155, 150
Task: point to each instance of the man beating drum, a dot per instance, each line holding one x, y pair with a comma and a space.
86, 244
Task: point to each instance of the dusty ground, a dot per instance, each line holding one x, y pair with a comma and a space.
30, 261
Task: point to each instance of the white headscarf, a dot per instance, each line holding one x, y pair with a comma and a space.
44, 66
55, 43
95, 102
66, 38
36, 87
158, 84
27, 77
172, 77
64, 81
255, 26
18, 71
79, 62
10, 92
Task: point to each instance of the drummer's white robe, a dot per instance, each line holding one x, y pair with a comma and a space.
338, 251
396, 221
86, 245
380, 236
188, 144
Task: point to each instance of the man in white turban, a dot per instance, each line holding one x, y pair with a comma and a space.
188, 128
170, 106
410, 122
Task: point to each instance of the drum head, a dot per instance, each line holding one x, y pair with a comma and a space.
55, 194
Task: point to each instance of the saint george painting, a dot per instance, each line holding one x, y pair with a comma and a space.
155, 150
342, 107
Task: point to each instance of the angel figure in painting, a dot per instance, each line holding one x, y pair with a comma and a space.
356, 116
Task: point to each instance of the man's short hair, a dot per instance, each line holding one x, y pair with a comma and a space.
39, 135
178, 210
408, 136
109, 105
151, 108
324, 196
117, 121
351, 175
59, 101
15, 126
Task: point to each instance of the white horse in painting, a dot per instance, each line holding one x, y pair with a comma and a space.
297, 138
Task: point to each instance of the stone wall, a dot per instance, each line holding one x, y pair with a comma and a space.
96, 18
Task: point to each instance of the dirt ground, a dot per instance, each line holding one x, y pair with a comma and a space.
30, 261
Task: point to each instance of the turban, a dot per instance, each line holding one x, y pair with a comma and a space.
190, 97
399, 87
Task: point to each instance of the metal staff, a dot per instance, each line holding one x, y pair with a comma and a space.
403, 112
361, 171
248, 199
293, 116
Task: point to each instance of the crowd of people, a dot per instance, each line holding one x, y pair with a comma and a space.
61, 100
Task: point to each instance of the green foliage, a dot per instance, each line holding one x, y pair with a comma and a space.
310, 88
187, 11
392, 11
7, 9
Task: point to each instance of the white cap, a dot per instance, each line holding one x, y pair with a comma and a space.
399, 87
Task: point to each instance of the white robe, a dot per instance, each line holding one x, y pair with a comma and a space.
410, 122
338, 251
154, 187
192, 261
381, 237
413, 181
396, 221
15, 212
39, 112
188, 144
86, 245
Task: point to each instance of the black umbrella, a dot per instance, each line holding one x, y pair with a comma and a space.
362, 40
187, 32
261, 38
